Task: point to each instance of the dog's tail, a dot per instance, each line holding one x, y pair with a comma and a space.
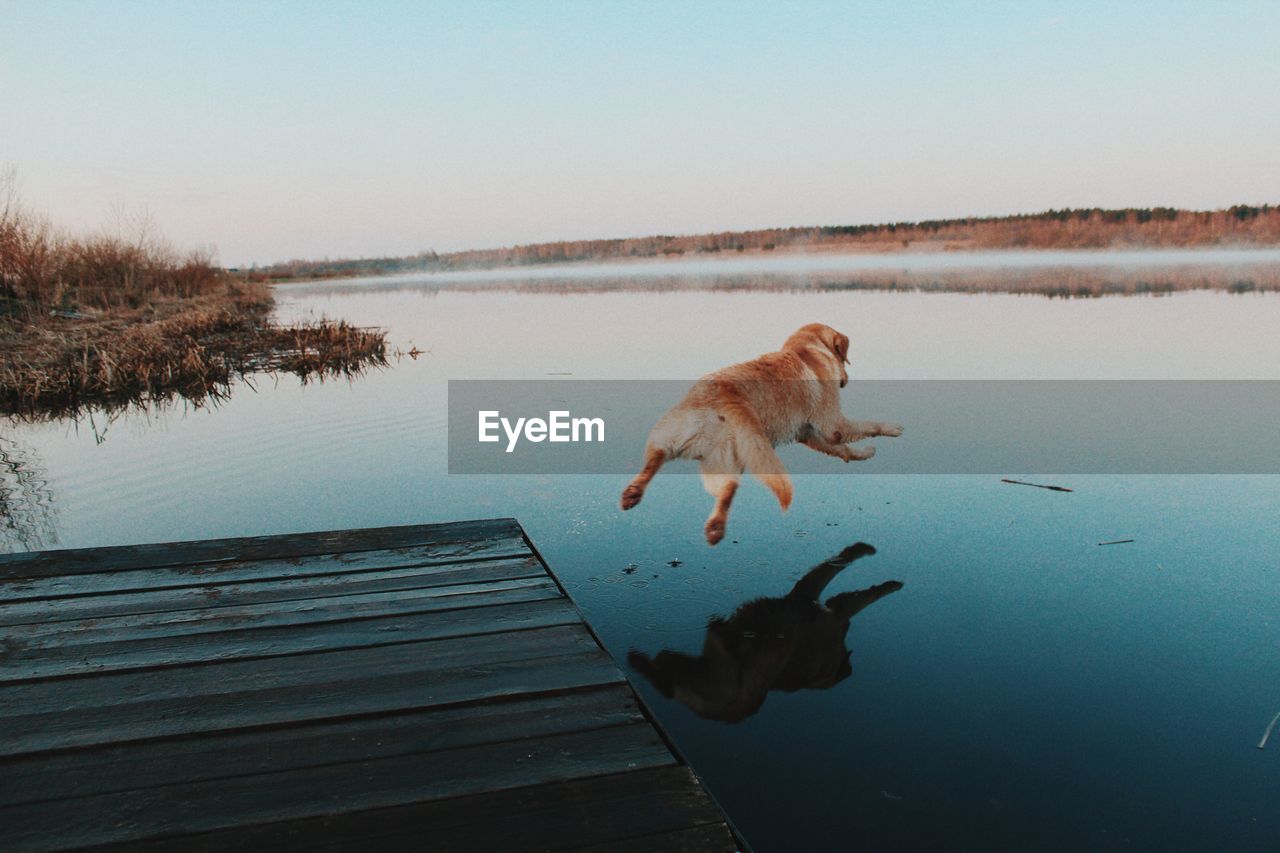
756, 452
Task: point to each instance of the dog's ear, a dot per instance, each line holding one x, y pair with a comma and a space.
842, 347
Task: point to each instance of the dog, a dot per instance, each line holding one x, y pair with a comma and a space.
732, 420
790, 643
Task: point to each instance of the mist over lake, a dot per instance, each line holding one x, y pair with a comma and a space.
1026, 687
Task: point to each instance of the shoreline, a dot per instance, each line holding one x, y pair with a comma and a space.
729, 263
1058, 229
1047, 273
62, 363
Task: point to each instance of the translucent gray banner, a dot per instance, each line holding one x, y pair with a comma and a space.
949, 427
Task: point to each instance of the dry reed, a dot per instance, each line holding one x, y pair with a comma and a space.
108, 321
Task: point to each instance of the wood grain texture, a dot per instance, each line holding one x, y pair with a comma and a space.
392, 623
459, 537
210, 594
354, 786
425, 687
600, 810
114, 581
69, 775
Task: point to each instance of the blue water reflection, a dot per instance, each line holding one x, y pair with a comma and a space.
1027, 688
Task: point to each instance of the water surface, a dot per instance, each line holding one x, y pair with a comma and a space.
1025, 688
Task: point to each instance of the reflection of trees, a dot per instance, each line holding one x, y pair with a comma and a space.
27, 511
1050, 281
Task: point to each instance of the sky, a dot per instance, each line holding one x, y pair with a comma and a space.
279, 130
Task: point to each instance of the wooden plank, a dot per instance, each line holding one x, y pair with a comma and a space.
97, 709
151, 764
148, 626
196, 682
517, 609
594, 810
62, 587
212, 595
294, 794
463, 537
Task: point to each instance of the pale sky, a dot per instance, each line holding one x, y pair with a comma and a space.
279, 130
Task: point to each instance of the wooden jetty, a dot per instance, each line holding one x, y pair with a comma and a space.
428, 687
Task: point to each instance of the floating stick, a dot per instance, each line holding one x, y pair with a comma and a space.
1267, 733
1037, 485
1116, 542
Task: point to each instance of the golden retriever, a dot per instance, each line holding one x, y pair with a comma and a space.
791, 643
731, 421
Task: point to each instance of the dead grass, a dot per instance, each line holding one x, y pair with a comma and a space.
107, 321
194, 349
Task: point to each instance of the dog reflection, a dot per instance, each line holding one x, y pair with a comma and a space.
788, 643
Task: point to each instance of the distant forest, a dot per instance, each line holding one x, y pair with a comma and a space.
1084, 228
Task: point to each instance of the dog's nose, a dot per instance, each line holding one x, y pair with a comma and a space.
844, 382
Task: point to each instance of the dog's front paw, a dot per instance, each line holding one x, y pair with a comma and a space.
861, 454
891, 430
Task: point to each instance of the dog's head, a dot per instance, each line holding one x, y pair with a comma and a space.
826, 337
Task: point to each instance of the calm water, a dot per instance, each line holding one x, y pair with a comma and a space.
1025, 688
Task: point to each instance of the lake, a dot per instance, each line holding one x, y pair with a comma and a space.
1025, 688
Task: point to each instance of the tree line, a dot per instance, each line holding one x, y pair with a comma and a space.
1068, 228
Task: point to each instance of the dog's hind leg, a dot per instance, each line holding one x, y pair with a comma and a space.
715, 525
722, 487
653, 459
756, 452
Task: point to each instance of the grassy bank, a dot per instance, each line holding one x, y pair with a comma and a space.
112, 321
